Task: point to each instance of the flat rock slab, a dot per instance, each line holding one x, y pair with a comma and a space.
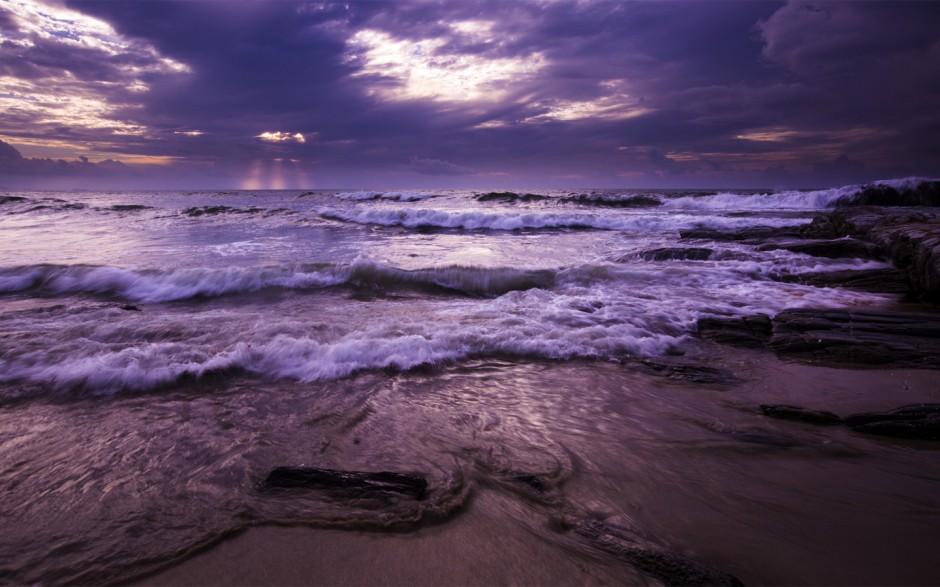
838, 248
858, 337
677, 254
785, 412
686, 371
756, 235
917, 421
748, 331
665, 565
355, 483
888, 280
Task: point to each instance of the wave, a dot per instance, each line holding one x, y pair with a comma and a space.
615, 201
178, 284
397, 196
906, 191
106, 351
475, 220
23, 205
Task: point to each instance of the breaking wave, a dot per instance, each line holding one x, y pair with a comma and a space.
179, 284
397, 196
794, 199
475, 220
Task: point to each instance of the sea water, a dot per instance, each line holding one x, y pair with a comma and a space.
161, 351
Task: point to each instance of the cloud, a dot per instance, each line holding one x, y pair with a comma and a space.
600, 90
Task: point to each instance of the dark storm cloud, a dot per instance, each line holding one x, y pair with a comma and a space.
689, 91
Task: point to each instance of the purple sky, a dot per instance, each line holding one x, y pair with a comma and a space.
282, 94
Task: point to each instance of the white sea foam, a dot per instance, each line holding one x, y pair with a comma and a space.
591, 311
476, 220
783, 200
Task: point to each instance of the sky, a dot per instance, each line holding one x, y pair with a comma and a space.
281, 94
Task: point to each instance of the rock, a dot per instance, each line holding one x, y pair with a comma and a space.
926, 193
832, 249
681, 370
756, 235
914, 421
762, 437
923, 428
669, 567
890, 280
914, 247
855, 337
130, 308
532, 482
747, 331
785, 412
676, 254
354, 483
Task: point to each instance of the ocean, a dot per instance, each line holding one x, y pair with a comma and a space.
161, 352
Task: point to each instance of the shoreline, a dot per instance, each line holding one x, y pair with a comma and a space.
502, 537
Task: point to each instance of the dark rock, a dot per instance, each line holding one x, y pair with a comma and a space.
682, 370
891, 280
532, 482
923, 428
785, 412
856, 337
913, 412
677, 254
353, 483
754, 235
667, 566
833, 249
748, 331
130, 308
509, 197
922, 194
914, 247
8, 199
920, 421
762, 437
628, 202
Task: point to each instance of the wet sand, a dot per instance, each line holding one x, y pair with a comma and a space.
697, 469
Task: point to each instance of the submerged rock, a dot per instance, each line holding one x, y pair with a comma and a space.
667, 566
677, 254
683, 370
920, 421
747, 331
859, 337
889, 280
756, 235
915, 421
839, 248
785, 412
355, 483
